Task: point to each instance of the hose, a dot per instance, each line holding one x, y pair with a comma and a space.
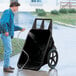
18, 70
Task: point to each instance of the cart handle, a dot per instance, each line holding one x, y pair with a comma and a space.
42, 24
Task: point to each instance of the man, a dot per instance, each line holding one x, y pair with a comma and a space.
8, 28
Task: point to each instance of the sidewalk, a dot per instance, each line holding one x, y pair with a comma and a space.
43, 71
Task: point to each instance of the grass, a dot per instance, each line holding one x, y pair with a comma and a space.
69, 18
16, 48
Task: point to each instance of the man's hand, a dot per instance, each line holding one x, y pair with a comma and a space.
23, 29
6, 33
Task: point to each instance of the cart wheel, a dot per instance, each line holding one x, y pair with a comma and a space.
52, 58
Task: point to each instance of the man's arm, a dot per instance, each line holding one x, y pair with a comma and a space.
17, 28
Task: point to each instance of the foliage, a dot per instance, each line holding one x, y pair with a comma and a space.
72, 10
64, 11
40, 12
55, 12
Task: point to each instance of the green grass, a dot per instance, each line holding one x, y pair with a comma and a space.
64, 18
69, 18
16, 48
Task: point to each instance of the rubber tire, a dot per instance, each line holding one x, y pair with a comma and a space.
52, 66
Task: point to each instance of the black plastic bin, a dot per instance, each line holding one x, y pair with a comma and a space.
39, 48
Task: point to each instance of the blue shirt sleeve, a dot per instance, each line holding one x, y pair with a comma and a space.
16, 28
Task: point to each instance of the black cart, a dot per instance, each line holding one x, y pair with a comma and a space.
39, 48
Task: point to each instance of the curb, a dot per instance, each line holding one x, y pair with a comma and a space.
67, 25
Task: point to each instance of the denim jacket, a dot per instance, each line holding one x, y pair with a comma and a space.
7, 23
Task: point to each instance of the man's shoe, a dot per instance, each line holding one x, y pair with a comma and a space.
11, 68
7, 70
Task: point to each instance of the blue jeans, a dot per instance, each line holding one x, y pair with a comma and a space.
7, 49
